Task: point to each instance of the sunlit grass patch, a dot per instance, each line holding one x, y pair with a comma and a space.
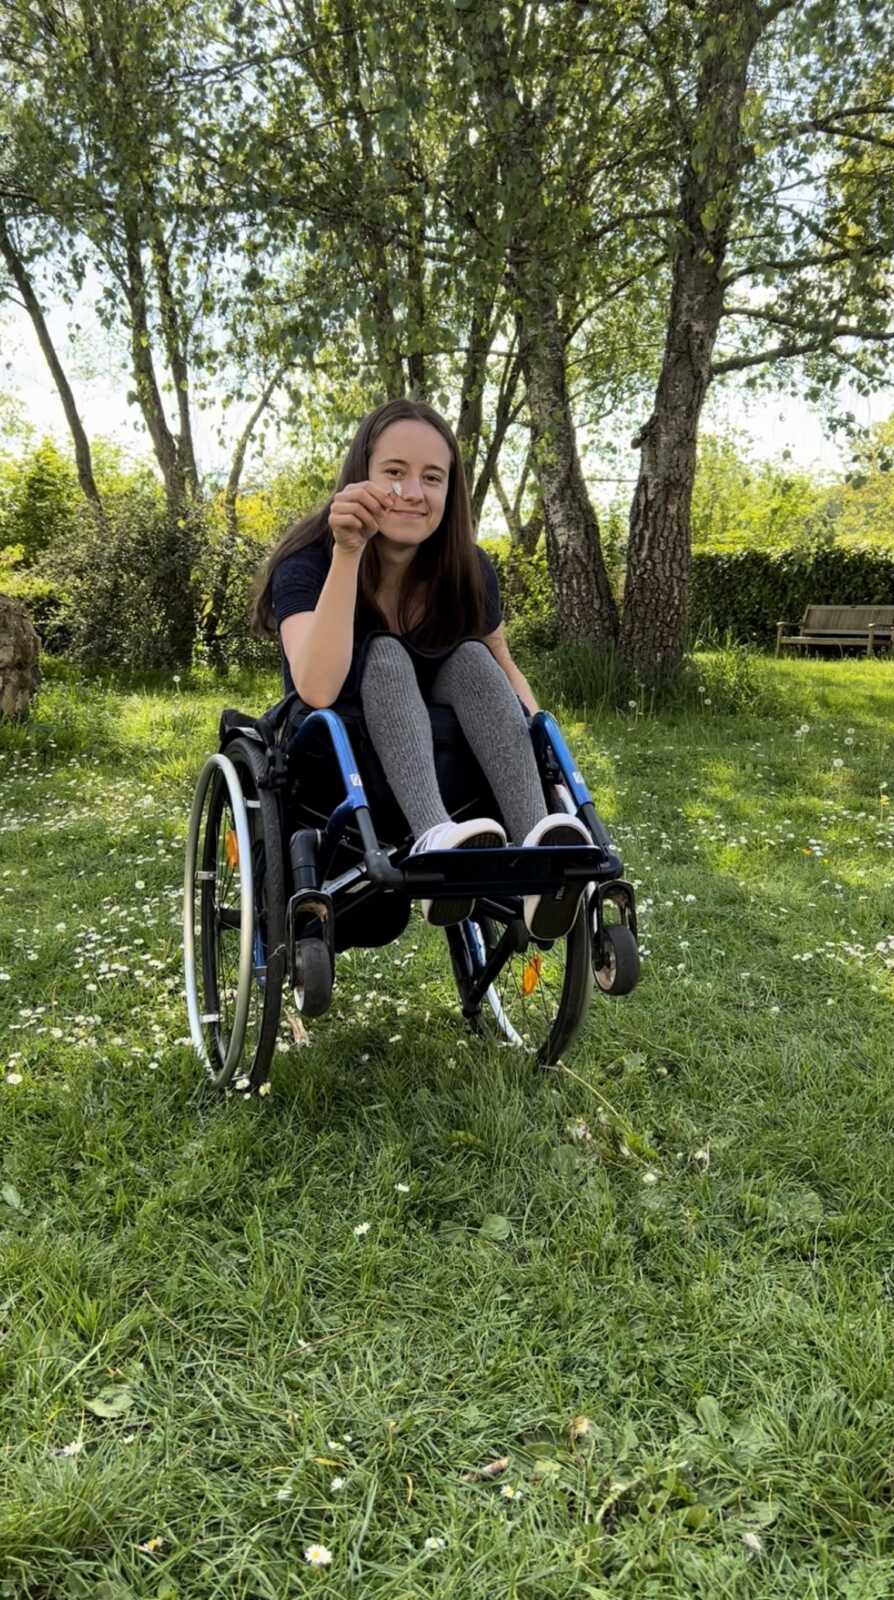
346, 1317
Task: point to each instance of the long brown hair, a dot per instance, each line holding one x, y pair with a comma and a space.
445, 567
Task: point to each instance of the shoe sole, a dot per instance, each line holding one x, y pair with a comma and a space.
553, 917
442, 913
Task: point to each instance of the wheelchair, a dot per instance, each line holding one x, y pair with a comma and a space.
297, 852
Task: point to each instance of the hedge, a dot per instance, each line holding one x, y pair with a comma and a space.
739, 595
743, 595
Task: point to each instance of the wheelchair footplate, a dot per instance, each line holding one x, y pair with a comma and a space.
541, 869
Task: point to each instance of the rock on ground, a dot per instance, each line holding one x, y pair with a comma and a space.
19, 651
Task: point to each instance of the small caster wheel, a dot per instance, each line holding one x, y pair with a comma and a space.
620, 972
312, 973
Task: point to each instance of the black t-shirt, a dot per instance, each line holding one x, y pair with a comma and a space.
297, 585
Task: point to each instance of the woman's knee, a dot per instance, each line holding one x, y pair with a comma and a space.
387, 655
474, 666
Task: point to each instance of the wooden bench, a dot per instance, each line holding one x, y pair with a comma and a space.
841, 628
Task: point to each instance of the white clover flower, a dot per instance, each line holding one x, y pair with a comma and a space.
434, 1542
361, 1229
838, 762
13, 1078
650, 1177
509, 1492
316, 1555
336, 1484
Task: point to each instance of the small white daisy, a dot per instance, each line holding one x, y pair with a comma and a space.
361, 1229
316, 1555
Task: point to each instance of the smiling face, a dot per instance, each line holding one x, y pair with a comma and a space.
414, 456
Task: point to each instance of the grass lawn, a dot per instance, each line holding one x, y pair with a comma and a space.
659, 1280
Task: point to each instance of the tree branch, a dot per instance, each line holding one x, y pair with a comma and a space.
779, 352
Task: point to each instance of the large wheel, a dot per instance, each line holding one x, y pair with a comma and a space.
539, 998
234, 918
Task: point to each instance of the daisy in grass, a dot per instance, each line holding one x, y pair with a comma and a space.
316, 1555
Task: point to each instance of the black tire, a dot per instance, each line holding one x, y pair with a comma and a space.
313, 977
620, 971
544, 1028
218, 923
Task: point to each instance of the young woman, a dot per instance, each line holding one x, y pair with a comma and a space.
383, 599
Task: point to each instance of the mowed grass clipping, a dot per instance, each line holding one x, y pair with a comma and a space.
656, 1283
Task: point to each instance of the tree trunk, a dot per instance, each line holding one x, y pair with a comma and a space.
176, 580
83, 457
653, 629
585, 605
468, 427
523, 536
213, 616
507, 409
176, 354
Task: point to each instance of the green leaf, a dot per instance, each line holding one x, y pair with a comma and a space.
710, 1415
113, 1401
762, 1512
696, 1516
11, 1195
495, 1227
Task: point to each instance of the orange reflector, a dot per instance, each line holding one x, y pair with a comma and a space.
531, 974
231, 848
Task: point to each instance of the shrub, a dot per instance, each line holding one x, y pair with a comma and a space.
129, 598
40, 500
526, 592
43, 598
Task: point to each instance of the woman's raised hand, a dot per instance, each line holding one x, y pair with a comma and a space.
355, 514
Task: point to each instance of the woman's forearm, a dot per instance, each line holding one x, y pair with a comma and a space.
321, 663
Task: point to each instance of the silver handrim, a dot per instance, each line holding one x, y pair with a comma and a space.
246, 916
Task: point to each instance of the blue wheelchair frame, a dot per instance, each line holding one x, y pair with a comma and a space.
490, 875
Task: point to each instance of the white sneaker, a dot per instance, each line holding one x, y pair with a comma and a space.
477, 833
550, 916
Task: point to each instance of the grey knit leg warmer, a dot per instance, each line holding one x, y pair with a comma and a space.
399, 726
488, 711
